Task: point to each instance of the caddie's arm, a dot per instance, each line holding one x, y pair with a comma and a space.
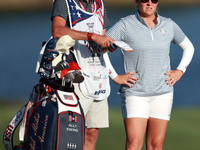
59, 29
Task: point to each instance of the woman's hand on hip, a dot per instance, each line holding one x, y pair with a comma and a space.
174, 76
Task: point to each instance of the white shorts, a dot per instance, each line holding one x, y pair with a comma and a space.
96, 111
144, 107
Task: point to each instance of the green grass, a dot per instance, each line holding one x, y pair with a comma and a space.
183, 131
6, 114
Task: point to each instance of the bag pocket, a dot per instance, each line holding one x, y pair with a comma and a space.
41, 129
71, 131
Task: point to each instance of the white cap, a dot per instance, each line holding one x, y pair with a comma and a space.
63, 44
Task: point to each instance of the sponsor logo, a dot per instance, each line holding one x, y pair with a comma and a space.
100, 92
105, 77
96, 78
163, 31
71, 145
86, 75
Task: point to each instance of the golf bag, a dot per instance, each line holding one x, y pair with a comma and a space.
53, 118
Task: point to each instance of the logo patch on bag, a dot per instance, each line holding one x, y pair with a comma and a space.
68, 97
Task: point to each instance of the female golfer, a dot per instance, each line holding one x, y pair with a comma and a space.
146, 106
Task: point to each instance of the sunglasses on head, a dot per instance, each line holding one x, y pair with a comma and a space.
153, 1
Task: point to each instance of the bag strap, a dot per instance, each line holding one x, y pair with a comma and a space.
9, 132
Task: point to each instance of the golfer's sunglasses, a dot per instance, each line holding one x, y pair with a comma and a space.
153, 1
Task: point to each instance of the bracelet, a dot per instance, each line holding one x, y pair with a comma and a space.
89, 35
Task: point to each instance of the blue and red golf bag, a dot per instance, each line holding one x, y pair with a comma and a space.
53, 118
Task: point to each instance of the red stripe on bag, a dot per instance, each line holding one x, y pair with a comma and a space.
70, 118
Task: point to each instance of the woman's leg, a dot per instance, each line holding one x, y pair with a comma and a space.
155, 135
135, 131
160, 110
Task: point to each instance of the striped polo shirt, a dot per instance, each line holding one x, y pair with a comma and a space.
150, 58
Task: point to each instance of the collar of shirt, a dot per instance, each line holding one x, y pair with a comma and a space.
142, 20
87, 6
90, 1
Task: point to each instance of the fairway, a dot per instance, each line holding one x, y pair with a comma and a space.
183, 131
